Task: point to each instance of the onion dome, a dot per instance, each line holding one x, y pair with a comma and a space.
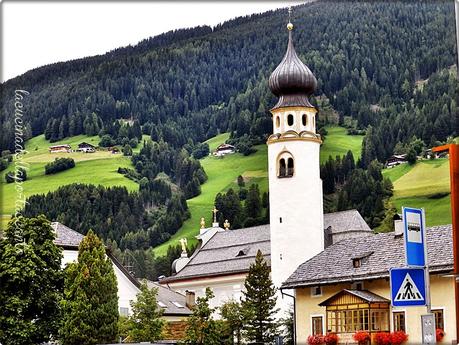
292, 81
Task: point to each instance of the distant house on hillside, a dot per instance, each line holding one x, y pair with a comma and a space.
396, 160
224, 149
60, 148
86, 147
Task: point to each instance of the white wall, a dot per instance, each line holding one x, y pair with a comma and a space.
127, 291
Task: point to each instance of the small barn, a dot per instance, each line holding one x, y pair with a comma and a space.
86, 147
60, 148
224, 149
396, 160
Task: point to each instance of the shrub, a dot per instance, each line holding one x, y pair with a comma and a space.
59, 164
20, 176
361, 337
331, 339
317, 339
439, 334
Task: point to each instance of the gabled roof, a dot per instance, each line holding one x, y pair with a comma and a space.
170, 299
221, 255
364, 295
66, 237
232, 251
379, 253
344, 221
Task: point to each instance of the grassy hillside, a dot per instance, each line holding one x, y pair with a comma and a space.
96, 168
338, 142
426, 184
223, 172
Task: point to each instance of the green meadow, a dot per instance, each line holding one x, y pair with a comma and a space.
338, 142
424, 185
97, 168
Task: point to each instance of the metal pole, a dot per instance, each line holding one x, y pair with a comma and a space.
456, 7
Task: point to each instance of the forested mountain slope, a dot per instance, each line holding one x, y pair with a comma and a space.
190, 84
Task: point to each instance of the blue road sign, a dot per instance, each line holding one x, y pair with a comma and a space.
414, 236
408, 287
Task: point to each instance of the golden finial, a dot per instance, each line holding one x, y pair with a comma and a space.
226, 224
214, 211
183, 242
203, 223
290, 25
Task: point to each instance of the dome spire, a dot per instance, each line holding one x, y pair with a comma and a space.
292, 81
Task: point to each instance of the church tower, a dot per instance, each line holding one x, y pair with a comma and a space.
295, 187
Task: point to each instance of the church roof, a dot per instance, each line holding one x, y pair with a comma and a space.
173, 303
66, 237
227, 252
292, 81
343, 221
377, 254
232, 251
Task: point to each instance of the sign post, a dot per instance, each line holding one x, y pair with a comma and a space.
410, 286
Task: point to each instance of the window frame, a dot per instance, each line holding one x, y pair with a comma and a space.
322, 325
396, 325
436, 311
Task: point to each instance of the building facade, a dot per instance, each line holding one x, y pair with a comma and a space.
346, 288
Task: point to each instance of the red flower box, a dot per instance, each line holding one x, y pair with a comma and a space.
361, 337
439, 334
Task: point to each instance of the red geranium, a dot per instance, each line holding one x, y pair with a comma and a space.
382, 338
439, 333
331, 339
361, 337
317, 339
398, 338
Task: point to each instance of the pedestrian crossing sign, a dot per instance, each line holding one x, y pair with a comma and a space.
408, 287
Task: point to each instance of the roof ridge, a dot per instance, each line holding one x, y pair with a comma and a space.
233, 245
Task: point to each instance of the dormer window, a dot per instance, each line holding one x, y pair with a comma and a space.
290, 119
356, 263
242, 252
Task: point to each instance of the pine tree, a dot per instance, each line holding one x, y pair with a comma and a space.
259, 302
253, 202
90, 304
231, 312
145, 322
202, 329
31, 282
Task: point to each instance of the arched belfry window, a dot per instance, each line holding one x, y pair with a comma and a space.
277, 121
304, 119
290, 167
290, 119
285, 165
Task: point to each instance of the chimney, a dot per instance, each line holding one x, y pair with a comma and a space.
190, 299
398, 225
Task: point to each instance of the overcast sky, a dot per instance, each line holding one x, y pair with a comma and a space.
39, 33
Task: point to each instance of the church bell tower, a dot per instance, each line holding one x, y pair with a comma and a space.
295, 187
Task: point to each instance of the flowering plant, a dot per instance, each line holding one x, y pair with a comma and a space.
331, 339
439, 334
317, 339
398, 338
361, 337
382, 338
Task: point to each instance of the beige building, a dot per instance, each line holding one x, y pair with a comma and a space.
346, 288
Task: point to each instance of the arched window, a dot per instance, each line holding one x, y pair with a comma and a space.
285, 165
277, 121
282, 168
304, 119
290, 119
314, 122
290, 167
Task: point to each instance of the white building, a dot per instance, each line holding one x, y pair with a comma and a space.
223, 257
175, 305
